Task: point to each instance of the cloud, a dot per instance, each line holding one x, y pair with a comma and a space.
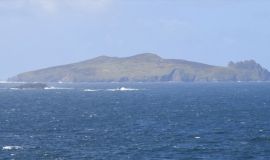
54, 6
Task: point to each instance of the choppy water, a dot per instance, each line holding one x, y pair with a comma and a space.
144, 122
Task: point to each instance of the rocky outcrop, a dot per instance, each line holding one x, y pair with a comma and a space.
249, 71
32, 86
179, 75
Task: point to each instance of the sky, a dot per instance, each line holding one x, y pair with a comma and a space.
41, 33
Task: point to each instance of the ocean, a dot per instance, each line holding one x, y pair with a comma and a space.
140, 121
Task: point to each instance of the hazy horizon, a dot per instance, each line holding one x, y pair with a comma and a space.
44, 33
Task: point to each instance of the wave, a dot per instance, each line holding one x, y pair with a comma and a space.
57, 88
123, 89
11, 82
3, 82
12, 147
14, 88
90, 90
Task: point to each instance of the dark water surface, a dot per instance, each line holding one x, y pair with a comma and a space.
157, 122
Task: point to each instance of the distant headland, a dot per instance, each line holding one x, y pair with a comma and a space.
146, 67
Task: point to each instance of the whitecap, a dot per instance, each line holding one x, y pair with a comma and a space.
123, 89
8, 82
14, 88
57, 88
12, 147
90, 129
3, 82
90, 90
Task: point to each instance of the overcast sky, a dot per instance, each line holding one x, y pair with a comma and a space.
41, 33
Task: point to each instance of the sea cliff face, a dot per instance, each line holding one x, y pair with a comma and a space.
146, 68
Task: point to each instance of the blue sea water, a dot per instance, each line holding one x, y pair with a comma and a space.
159, 121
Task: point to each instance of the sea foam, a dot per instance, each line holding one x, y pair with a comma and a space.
90, 90
57, 88
12, 147
123, 89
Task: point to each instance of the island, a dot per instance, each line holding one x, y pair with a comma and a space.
147, 67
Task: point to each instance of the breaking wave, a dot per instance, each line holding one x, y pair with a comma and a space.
57, 88
90, 90
14, 88
12, 147
123, 89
